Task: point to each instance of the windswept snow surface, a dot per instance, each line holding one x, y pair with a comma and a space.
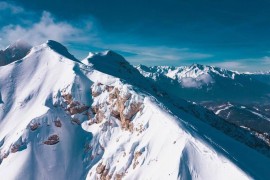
63, 119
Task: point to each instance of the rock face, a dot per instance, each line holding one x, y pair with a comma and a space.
74, 107
121, 104
14, 52
57, 123
136, 156
34, 126
100, 168
103, 172
53, 139
124, 108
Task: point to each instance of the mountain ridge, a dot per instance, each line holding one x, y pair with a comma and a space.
107, 121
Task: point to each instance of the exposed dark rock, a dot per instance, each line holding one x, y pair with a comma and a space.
53, 139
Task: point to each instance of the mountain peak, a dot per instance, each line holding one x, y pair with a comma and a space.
114, 64
60, 49
14, 52
111, 53
107, 58
18, 45
199, 66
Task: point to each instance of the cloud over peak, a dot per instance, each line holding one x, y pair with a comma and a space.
38, 32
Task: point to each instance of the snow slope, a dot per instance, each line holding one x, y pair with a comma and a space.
63, 119
31, 90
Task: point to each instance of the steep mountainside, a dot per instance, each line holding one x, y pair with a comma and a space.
101, 119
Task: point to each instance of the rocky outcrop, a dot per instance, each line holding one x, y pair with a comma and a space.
136, 156
122, 105
58, 123
53, 139
74, 107
68, 98
14, 148
103, 172
34, 126
123, 109
98, 112
119, 176
100, 168
96, 90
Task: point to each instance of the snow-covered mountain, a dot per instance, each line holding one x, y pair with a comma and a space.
101, 119
211, 83
14, 52
239, 98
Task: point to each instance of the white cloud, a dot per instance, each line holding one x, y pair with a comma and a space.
266, 60
82, 32
4, 6
37, 28
157, 54
247, 64
231, 65
39, 32
197, 82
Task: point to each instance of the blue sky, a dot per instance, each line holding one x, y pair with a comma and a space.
230, 34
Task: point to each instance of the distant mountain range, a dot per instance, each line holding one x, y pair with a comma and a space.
207, 83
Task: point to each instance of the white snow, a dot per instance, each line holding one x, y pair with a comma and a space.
260, 115
225, 108
194, 76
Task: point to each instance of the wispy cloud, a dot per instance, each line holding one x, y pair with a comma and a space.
266, 60
86, 32
247, 64
38, 27
5, 6
38, 32
232, 65
157, 54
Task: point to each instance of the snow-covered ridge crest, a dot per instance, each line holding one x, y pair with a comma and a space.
194, 76
211, 83
56, 47
108, 60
